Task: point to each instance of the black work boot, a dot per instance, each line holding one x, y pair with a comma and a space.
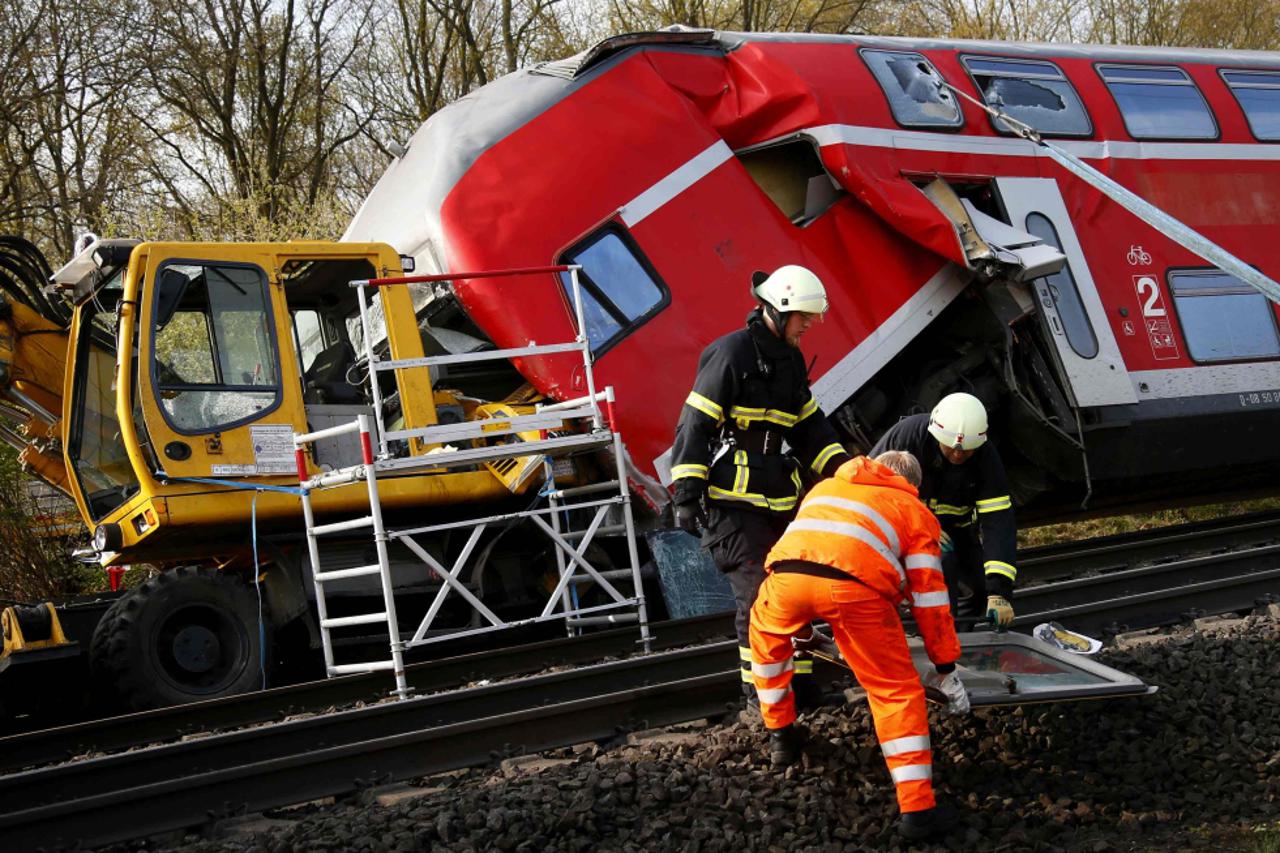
927, 823
786, 745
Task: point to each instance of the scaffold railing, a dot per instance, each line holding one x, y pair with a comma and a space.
550, 515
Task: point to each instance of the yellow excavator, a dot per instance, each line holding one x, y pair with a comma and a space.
156, 384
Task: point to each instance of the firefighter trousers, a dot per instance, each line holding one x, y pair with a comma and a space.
869, 634
739, 541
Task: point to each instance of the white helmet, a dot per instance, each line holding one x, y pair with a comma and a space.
791, 288
959, 420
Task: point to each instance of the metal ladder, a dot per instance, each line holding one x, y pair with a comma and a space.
574, 569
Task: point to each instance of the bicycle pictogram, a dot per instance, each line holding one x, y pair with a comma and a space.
1138, 256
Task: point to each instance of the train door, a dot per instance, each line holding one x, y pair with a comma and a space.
1068, 300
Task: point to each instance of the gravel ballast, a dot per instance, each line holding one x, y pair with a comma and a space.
1198, 759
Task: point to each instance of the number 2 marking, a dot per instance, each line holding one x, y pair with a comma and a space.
1149, 290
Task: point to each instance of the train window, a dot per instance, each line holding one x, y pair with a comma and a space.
913, 87
1258, 93
620, 289
1065, 293
1033, 92
1159, 102
1222, 317
214, 349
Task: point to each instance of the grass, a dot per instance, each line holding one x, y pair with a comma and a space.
1051, 534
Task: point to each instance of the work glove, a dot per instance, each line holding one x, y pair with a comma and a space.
999, 611
949, 685
816, 642
691, 517
945, 543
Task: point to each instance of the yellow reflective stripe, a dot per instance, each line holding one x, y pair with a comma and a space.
747, 678
804, 666
776, 504
948, 509
825, 456
743, 473
995, 567
810, 406
744, 653
710, 408
744, 415
699, 472
995, 504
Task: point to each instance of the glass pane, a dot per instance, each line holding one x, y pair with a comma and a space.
202, 410
1034, 93
911, 85
310, 339
1223, 318
1151, 75
97, 449
616, 288
1168, 106
1029, 669
217, 342
1065, 293
1012, 67
1259, 97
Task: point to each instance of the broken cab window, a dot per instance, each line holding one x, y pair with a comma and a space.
1034, 92
620, 289
914, 89
214, 351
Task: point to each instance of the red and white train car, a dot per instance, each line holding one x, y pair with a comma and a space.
671, 165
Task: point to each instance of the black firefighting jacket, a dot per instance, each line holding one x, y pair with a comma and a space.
960, 495
750, 394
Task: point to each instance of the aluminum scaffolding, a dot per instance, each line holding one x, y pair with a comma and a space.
561, 504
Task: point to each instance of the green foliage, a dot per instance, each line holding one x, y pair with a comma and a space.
35, 561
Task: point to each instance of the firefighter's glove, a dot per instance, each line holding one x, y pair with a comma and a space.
691, 517
999, 611
945, 543
951, 687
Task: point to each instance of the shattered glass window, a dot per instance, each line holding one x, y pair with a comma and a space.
1159, 102
1258, 93
914, 89
1223, 318
1034, 92
620, 290
214, 351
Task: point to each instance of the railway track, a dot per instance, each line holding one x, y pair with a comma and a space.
147, 791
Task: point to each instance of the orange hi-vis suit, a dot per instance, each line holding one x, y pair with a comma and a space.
861, 543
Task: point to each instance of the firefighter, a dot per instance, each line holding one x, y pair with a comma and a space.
733, 483
965, 486
863, 542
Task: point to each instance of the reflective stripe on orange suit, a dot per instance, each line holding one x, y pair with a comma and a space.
866, 521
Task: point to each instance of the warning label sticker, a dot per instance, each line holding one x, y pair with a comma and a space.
273, 448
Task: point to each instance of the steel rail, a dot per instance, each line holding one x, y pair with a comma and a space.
1156, 595
133, 794
109, 734
46, 746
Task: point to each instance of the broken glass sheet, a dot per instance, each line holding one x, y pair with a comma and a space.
914, 89
1034, 92
1013, 669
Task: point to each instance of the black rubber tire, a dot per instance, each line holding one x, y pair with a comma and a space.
186, 635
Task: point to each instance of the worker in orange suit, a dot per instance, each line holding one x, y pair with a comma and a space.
861, 543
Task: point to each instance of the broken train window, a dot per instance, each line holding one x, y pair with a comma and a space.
914, 89
791, 174
1032, 91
